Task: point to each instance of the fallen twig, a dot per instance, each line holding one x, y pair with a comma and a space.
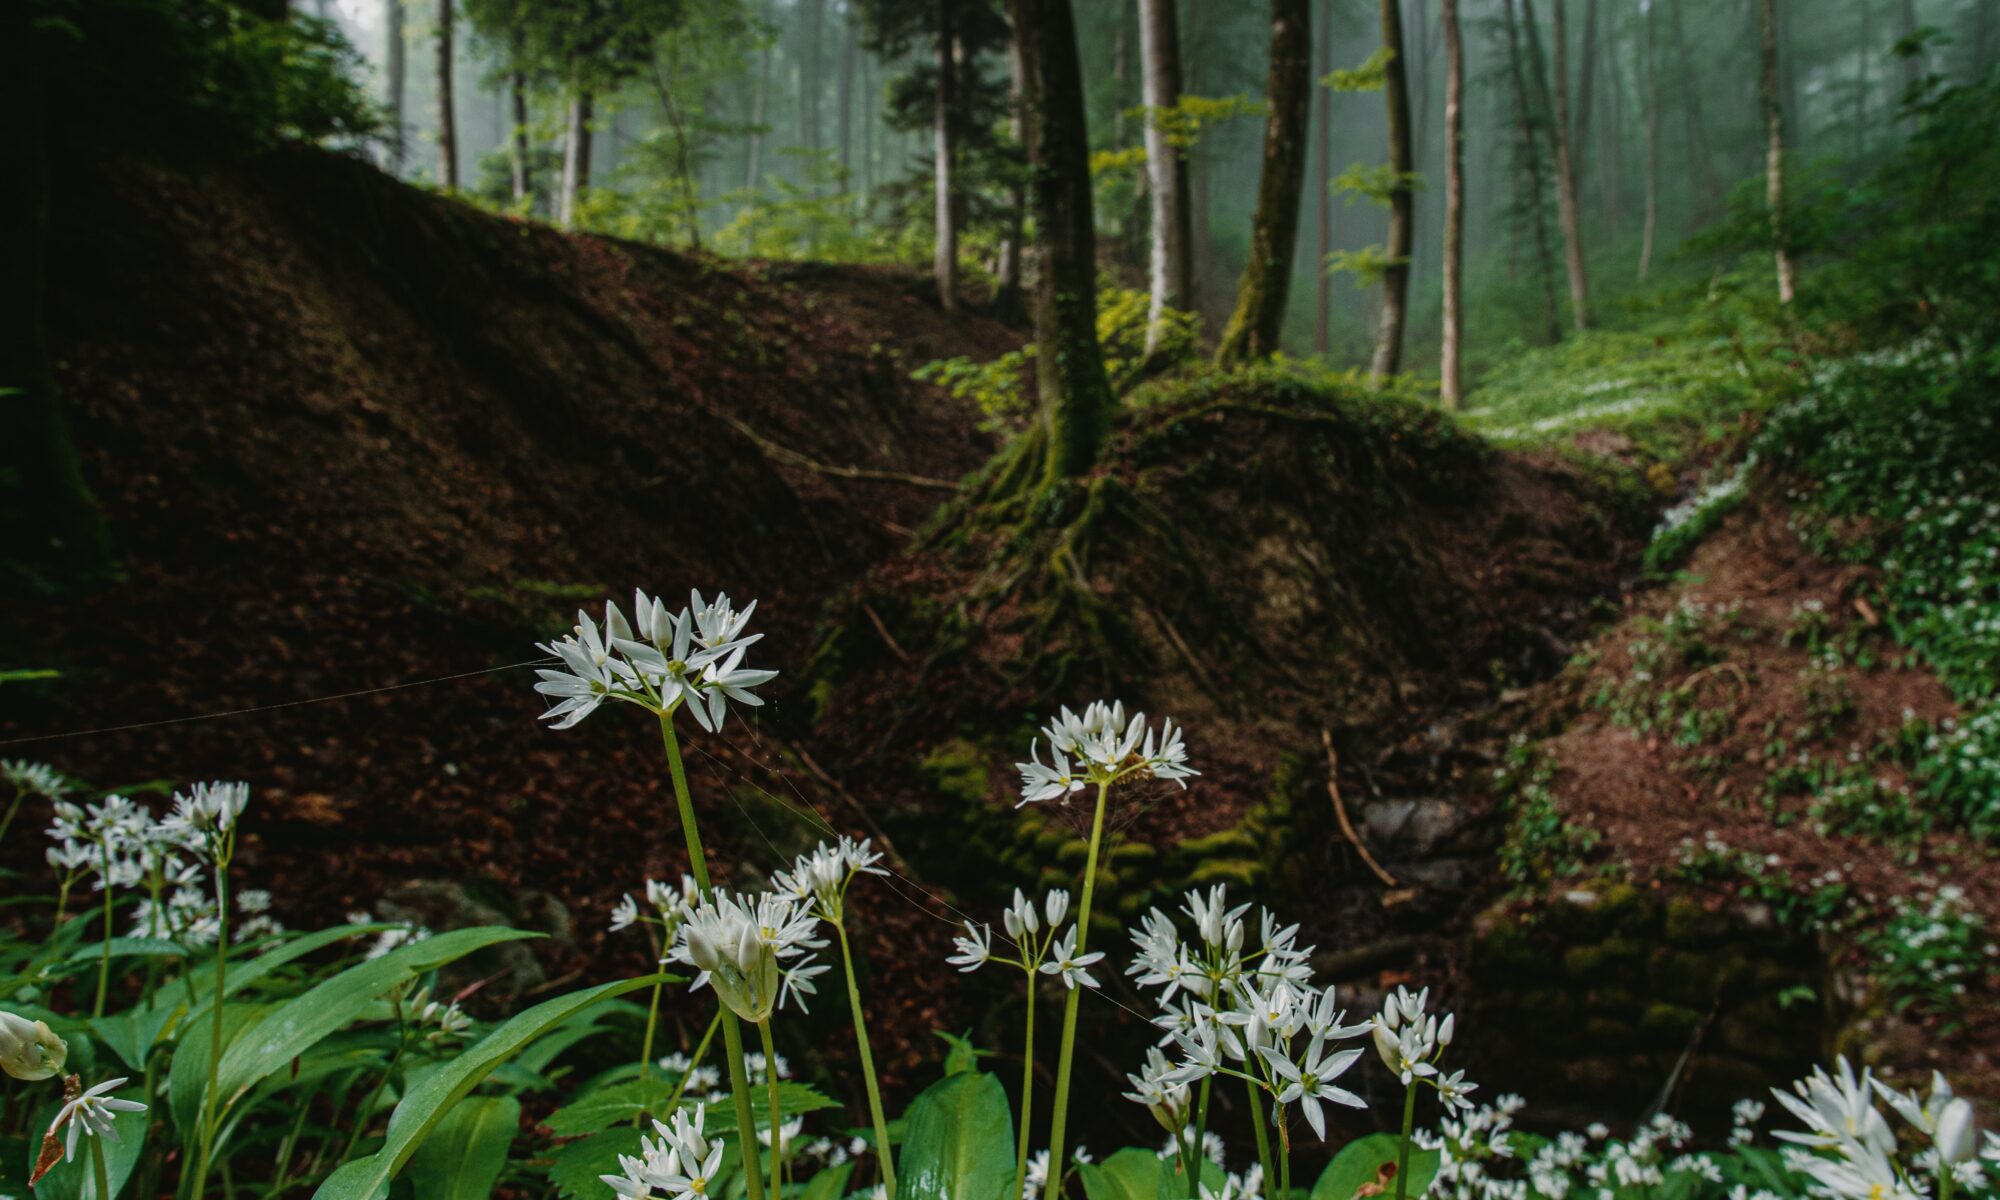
1340, 810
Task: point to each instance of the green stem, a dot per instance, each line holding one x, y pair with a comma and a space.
1284, 1154
1257, 1126
1027, 1094
1200, 1128
20, 794
883, 1156
209, 1114
777, 1110
98, 1170
1403, 1150
1063, 1063
367, 1108
652, 1023
732, 1032
104, 959
694, 1064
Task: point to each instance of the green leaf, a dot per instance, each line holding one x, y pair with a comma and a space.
299, 1023
73, 1180
187, 1075
793, 1099
574, 1168
1130, 1174
959, 1143
608, 1106
427, 1101
963, 1055
130, 947
829, 1184
1360, 1162
463, 1157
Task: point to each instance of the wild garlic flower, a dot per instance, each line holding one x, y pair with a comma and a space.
33, 778
1036, 931
1837, 1110
434, 1020
30, 1050
1100, 747
208, 811
1164, 1097
1308, 1079
752, 950
670, 904
1216, 963
1072, 967
679, 1161
820, 879
92, 1112
660, 661
1409, 1040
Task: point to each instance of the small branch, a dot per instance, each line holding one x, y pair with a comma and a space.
795, 459
1340, 810
875, 620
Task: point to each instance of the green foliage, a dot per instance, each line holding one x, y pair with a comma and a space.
818, 218
1368, 265
1377, 184
1370, 76
467, 1152
1372, 1160
1184, 121
958, 1141
1541, 845
1687, 524
1930, 954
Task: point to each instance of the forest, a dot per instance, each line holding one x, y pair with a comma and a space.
974, 599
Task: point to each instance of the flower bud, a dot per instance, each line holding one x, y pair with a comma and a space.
1445, 1030
1058, 906
700, 949
1954, 1137
30, 1050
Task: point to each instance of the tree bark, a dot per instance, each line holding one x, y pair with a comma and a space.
393, 36
1612, 180
753, 171
447, 121
1566, 205
846, 101
1691, 112
1323, 200
1450, 383
1254, 327
524, 180
809, 81
1774, 147
944, 259
1170, 271
1402, 199
1652, 85
1529, 147
1075, 397
576, 158
1906, 27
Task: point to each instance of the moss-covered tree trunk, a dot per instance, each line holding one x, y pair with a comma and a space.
1267, 277
1075, 397
1166, 167
1450, 381
944, 256
392, 37
1566, 190
523, 162
447, 131
1402, 201
1651, 84
1529, 167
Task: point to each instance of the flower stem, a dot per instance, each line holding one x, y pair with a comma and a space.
646, 1047
883, 1155
1063, 1063
1403, 1150
20, 794
1257, 1125
209, 1116
732, 1032
1027, 1094
98, 1170
694, 1064
777, 1110
1284, 1154
1200, 1129
104, 959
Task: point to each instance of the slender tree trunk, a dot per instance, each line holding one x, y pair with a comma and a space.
1906, 27
524, 181
753, 173
1651, 83
1255, 326
1774, 152
576, 158
1529, 144
1788, 80
944, 260
846, 101
1210, 298
1009, 298
1979, 47
1613, 148
1691, 112
1572, 221
395, 70
809, 81
1323, 198
447, 122
1450, 383
1166, 167
1862, 82
1402, 200
1075, 397
867, 128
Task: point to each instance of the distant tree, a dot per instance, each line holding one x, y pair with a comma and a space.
1651, 84
1693, 116
1450, 382
392, 36
1528, 165
447, 125
1774, 154
1566, 172
1166, 166
944, 151
1402, 201
1254, 327
1074, 394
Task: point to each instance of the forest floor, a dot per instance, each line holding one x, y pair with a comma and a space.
362, 447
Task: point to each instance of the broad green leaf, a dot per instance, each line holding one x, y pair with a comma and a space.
959, 1141
574, 1168
829, 1184
463, 1157
963, 1055
427, 1101
130, 947
614, 1105
299, 1023
1130, 1174
1360, 1162
793, 1099
75, 1180
187, 1075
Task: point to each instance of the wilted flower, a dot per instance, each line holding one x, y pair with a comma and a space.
30, 1050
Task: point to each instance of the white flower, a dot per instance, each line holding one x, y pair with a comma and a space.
93, 1113
822, 877
208, 811
30, 1050
678, 1162
625, 913
740, 944
1101, 747
40, 779
659, 661
1953, 1139
1154, 1088
1067, 963
974, 949
1022, 920
1310, 1080
1836, 1109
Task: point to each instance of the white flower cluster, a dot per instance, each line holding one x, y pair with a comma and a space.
1100, 747
752, 949
669, 904
1849, 1149
1468, 1146
820, 879
1044, 947
33, 778
402, 935
660, 660
679, 1161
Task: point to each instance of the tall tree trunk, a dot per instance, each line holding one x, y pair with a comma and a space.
1774, 152
944, 259
1402, 200
1695, 122
1572, 222
1259, 318
48, 516
1586, 98
1009, 298
1211, 298
1979, 47
1906, 28
447, 122
1529, 146
809, 81
1613, 148
867, 127
393, 37
1651, 83
753, 171
846, 101
1323, 193
576, 158
1450, 382
1075, 397
1166, 167
1862, 82
524, 182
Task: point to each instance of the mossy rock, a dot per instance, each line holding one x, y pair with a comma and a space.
1225, 843
957, 771
1074, 853
1614, 1001
1689, 923
1764, 1031
1504, 945
1236, 872
1134, 856
1610, 1033
1685, 977
1669, 1024
1615, 960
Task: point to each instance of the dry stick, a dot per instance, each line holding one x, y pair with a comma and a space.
795, 459
1340, 810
